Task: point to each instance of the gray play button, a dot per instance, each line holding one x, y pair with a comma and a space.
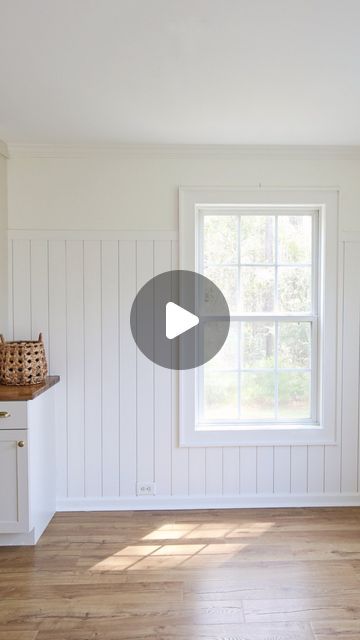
180, 319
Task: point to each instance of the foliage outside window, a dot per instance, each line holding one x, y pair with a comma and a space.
266, 264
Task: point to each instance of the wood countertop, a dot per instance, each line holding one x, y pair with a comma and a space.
10, 393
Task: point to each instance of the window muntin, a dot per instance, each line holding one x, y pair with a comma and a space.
266, 263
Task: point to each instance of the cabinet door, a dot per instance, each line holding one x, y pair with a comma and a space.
14, 494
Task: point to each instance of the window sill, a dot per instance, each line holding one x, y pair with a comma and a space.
206, 435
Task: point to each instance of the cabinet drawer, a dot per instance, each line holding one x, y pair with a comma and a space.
13, 415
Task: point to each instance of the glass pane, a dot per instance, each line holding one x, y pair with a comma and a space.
294, 239
294, 287
220, 239
257, 289
294, 395
258, 345
227, 357
257, 239
220, 395
226, 278
257, 396
294, 345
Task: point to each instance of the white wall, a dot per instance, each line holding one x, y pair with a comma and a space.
3, 241
117, 413
76, 189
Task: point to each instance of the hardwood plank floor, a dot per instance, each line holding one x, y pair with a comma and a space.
279, 574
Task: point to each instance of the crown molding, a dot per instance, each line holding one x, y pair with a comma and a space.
4, 149
17, 150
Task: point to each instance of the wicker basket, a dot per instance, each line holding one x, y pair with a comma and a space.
22, 362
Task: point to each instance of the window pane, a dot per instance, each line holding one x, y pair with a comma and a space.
258, 345
257, 396
294, 289
295, 239
247, 380
257, 239
294, 395
257, 289
227, 357
226, 278
220, 395
294, 345
220, 239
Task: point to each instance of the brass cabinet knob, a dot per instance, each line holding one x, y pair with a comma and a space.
5, 414
21, 444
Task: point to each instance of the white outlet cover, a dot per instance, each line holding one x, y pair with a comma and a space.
145, 488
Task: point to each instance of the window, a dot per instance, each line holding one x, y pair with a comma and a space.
265, 262
274, 256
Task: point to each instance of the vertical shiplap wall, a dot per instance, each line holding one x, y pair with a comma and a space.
117, 413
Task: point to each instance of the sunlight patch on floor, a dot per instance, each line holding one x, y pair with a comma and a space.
209, 530
169, 556
185, 553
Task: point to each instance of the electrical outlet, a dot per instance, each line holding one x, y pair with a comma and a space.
145, 488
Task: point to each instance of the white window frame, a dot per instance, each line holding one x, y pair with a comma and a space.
322, 429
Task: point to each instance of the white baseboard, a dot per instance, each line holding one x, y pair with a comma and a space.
18, 539
133, 503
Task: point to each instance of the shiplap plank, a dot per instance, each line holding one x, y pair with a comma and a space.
298, 458
332, 462
265, 470
197, 484
197, 471
281, 469
110, 367
22, 290
75, 367
248, 470
180, 455
40, 290
231, 471
162, 385
93, 368
57, 352
10, 334
145, 374
315, 469
213, 471
350, 370
128, 365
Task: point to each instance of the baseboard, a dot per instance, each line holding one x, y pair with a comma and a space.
133, 503
18, 539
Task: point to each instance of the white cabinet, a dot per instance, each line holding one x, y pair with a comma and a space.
27, 462
14, 502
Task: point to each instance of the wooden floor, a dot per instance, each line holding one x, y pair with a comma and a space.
289, 574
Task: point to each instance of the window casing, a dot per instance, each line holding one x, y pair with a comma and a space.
270, 390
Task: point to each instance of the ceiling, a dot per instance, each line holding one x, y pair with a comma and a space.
180, 71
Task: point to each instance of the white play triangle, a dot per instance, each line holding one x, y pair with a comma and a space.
178, 320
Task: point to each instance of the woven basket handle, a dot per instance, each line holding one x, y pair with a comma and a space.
40, 337
2, 341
